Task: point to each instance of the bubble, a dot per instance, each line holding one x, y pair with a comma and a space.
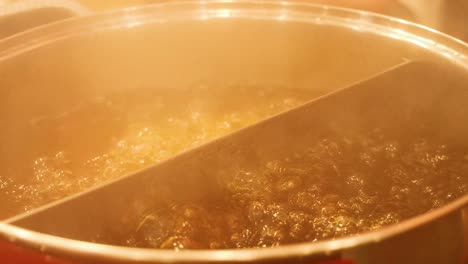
179, 243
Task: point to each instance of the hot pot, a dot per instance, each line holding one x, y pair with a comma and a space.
217, 44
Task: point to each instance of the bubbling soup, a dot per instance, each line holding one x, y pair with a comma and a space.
336, 186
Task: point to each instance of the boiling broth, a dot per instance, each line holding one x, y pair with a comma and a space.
336, 186
113, 135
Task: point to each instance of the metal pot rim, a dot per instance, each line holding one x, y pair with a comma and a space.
448, 47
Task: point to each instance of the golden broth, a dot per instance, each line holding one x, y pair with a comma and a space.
111, 136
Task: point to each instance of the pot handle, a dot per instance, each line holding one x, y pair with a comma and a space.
22, 15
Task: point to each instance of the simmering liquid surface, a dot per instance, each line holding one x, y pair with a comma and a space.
111, 136
337, 186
